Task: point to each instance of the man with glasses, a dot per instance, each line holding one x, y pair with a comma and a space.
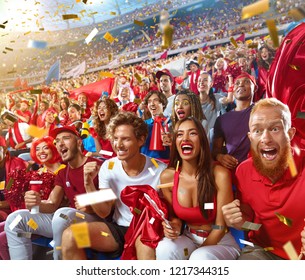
52, 220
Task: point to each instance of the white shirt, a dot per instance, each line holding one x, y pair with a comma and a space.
117, 179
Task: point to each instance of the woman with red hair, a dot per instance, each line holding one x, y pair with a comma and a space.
44, 153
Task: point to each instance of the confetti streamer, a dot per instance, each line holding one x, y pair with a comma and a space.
151, 171
167, 185
292, 167
209, 205
106, 153
102, 195
154, 162
91, 35
286, 221
15, 222
250, 226
80, 215
254, 9
24, 234
245, 242
273, 32
37, 44
290, 251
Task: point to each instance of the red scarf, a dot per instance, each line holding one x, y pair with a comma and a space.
17, 135
193, 81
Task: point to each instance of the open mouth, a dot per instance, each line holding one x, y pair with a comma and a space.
269, 154
121, 152
181, 114
63, 152
42, 157
186, 149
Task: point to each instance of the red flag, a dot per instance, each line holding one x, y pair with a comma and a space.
241, 38
95, 90
17, 83
164, 55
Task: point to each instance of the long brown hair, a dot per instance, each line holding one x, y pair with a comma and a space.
206, 187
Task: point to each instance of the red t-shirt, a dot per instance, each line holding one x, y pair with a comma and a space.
72, 181
286, 197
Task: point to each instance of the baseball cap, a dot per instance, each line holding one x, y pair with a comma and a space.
164, 72
66, 128
246, 75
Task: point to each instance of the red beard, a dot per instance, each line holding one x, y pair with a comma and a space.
276, 170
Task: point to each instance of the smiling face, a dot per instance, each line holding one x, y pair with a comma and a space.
270, 141
125, 143
204, 83
187, 140
182, 106
243, 89
154, 105
50, 117
43, 152
264, 54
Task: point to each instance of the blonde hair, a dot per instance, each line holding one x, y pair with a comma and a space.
272, 103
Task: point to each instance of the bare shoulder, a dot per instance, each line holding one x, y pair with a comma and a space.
222, 175
167, 175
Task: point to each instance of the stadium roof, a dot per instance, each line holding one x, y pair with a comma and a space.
47, 15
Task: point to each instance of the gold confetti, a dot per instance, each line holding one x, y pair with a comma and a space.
284, 220
32, 224
2, 185
186, 252
110, 165
58, 248
137, 22
167, 37
106, 74
108, 37
167, 185
273, 32
113, 13
292, 167
177, 166
80, 215
36, 91
137, 211
254, 9
137, 76
234, 43
294, 67
268, 249
154, 162
10, 183
70, 16
36, 131
81, 235
103, 233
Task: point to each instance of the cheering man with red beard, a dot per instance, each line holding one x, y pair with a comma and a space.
270, 186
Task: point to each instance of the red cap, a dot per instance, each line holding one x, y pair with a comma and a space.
164, 72
246, 75
68, 128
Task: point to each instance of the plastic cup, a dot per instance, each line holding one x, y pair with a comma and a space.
35, 186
